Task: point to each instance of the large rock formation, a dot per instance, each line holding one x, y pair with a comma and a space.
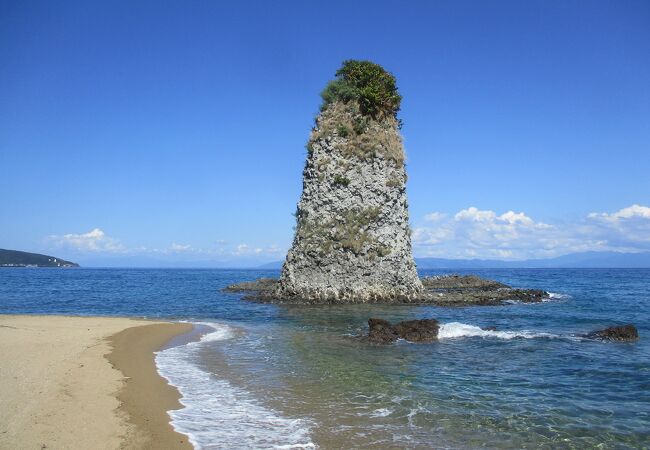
352, 239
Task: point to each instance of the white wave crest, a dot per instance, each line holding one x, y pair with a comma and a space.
218, 415
458, 330
381, 412
557, 296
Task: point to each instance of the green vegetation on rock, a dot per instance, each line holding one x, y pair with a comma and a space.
369, 84
348, 232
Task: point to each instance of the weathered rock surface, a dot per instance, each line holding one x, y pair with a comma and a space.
352, 241
382, 332
452, 290
624, 333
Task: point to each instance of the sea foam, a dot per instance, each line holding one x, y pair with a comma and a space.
217, 414
459, 330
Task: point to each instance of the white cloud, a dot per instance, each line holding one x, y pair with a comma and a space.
475, 233
247, 250
435, 216
475, 215
93, 241
631, 212
627, 229
180, 247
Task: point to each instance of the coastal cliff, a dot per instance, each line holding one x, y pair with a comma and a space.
352, 238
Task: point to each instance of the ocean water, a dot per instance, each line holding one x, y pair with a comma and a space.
268, 376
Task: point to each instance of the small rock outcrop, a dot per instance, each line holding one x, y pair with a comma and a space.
381, 331
462, 283
352, 239
624, 333
261, 286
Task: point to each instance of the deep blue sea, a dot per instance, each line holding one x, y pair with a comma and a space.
269, 376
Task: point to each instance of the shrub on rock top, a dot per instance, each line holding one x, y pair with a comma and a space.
367, 83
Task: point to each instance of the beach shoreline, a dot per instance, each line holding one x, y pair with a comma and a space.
85, 382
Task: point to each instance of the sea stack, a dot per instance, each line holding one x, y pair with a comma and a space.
352, 238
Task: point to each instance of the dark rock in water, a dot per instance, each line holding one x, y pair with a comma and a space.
489, 328
382, 332
261, 286
624, 333
461, 283
527, 295
425, 330
467, 290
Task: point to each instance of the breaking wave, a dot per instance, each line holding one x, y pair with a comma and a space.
459, 330
217, 414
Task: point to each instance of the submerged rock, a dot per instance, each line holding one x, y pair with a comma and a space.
381, 331
352, 241
624, 333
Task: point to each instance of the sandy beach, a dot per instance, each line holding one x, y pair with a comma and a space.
85, 382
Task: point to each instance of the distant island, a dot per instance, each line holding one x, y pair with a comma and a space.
15, 258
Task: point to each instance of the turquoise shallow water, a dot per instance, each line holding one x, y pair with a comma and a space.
268, 376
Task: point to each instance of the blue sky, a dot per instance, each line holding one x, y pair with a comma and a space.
133, 132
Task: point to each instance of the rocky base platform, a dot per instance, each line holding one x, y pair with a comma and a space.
449, 290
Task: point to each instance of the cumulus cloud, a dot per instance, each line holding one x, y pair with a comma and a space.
631, 212
93, 241
627, 229
475, 233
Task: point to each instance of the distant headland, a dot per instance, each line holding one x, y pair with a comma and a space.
15, 258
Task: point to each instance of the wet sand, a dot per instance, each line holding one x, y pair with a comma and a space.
146, 397
59, 390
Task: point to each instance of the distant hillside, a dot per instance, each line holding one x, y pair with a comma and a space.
14, 258
585, 260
